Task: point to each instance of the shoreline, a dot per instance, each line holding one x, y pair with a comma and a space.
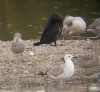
23, 70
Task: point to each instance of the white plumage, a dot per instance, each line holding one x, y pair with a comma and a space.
65, 71
17, 44
73, 25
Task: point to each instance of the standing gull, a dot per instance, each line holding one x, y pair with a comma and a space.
17, 44
63, 72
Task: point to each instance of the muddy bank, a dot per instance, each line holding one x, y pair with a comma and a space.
23, 70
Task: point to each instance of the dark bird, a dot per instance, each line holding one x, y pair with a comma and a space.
17, 44
94, 27
52, 31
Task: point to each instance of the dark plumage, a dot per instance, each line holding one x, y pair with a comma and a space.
52, 30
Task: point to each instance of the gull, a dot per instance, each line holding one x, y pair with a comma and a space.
73, 26
17, 46
94, 27
63, 72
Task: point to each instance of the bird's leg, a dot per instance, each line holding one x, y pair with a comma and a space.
55, 43
16, 86
22, 57
61, 83
87, 80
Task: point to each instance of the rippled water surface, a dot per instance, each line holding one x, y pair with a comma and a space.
57, 88
29, 16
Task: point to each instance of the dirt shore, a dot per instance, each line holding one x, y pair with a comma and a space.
23, 70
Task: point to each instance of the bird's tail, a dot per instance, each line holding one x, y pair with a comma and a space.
43, 72
37, 43
46, 72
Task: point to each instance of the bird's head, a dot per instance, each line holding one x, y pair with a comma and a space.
17, 35
69, 56
68, 21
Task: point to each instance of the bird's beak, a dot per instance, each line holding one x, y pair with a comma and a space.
75, 57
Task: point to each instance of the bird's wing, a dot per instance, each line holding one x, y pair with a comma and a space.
18, 46
49, 33
21, 45
52, 29
95, 23
58, 70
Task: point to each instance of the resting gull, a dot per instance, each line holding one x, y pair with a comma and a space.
94, 27
73, 26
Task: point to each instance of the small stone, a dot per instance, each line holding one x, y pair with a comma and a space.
40, 91
31, 54
26, 72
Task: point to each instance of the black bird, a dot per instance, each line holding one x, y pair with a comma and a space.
52, 31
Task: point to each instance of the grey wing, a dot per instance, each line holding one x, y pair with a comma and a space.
95, 23
21, 45
18, 47
58, 70
13, 44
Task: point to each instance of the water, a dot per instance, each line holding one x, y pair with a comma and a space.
29, 16
57, 88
